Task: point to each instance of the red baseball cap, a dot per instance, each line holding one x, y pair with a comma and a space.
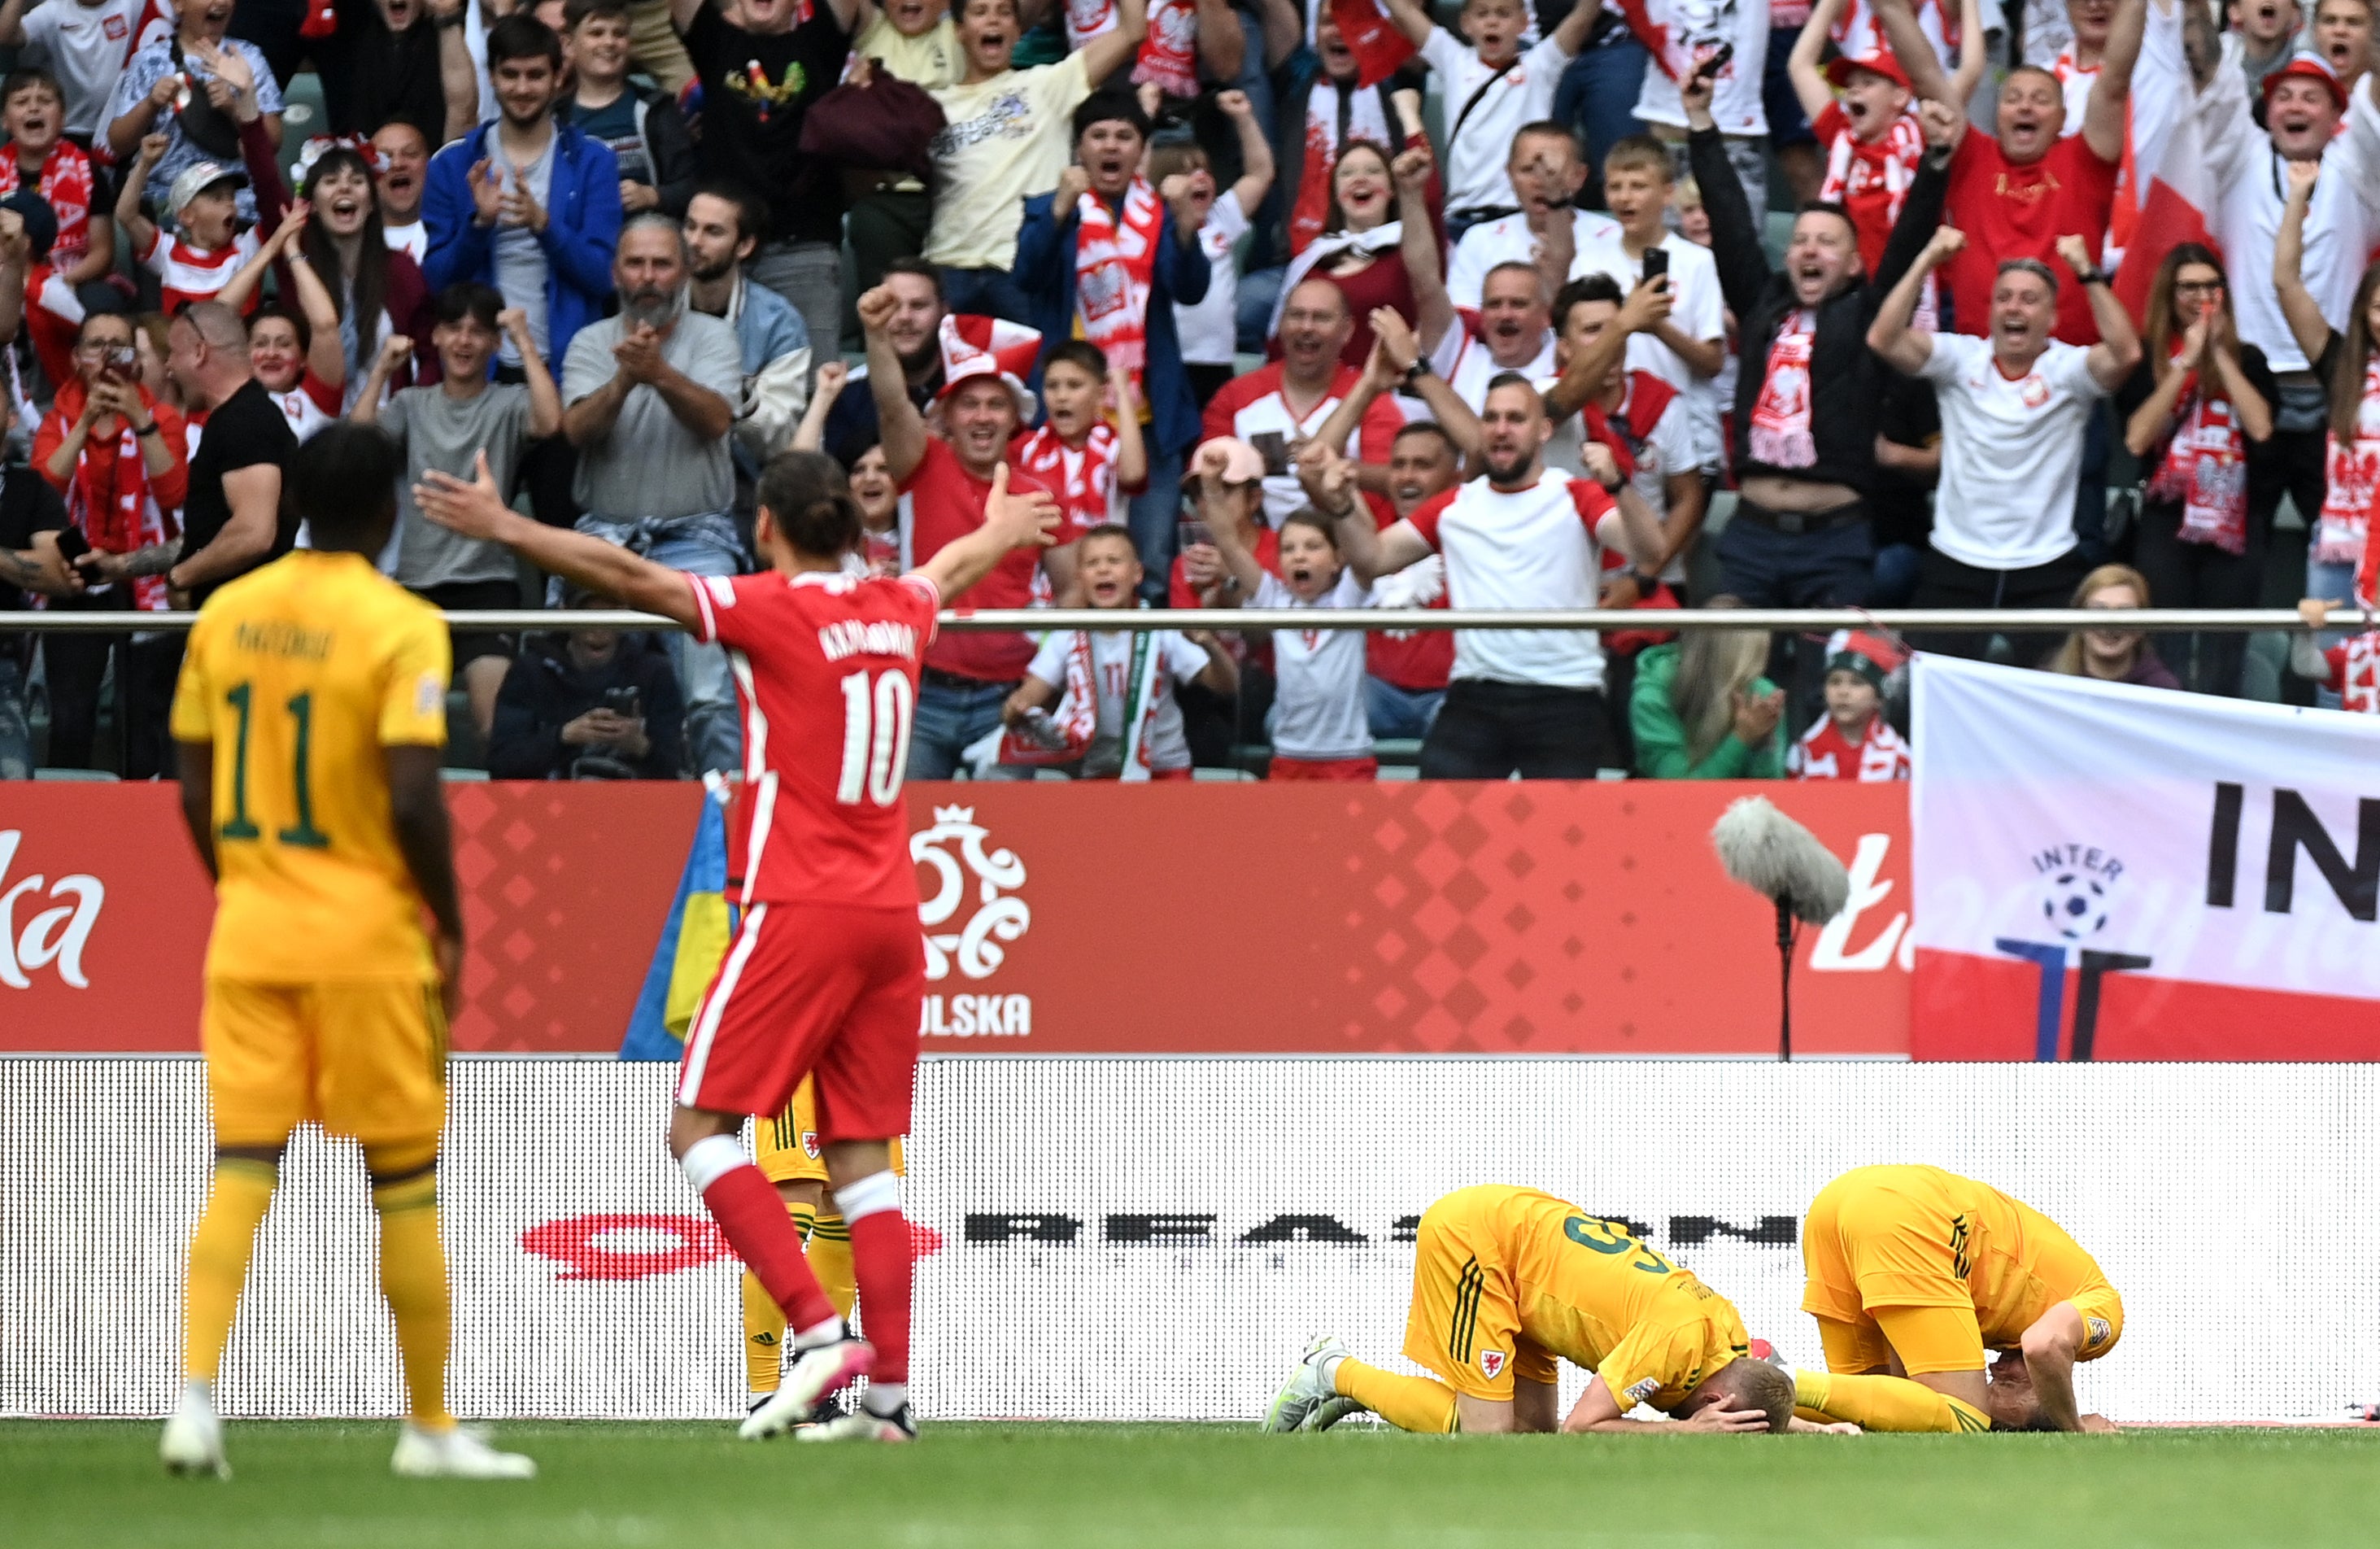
2304, 66
1840, 68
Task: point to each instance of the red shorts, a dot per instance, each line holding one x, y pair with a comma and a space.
833, 990
1325, 769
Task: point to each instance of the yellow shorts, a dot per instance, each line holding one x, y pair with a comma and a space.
786, 1147
1885, 1273
363, 1057
1466, 1320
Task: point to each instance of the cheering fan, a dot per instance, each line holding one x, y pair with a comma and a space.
1783, 863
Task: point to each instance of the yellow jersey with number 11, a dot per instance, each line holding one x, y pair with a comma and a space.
300, 674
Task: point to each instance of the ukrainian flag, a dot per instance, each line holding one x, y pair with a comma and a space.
693, 944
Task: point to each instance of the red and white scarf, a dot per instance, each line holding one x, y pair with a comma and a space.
1780, 418
1644, 399
65, 186
108, 498
1115, 266
1074, 723
1083, 478
2352, 480
2204, 468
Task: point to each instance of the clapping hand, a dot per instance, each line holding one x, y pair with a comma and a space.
517, 206
638, 354
486, 191
1756, 715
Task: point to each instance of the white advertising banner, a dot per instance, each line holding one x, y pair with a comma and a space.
2107, 871
1135, 1238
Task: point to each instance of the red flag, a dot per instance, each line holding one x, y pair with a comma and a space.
1378, 45
2163, 195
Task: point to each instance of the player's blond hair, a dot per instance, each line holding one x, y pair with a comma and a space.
1746, 1384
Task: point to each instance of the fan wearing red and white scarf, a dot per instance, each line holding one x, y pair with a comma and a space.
1116, 270
2351, 481
2203, 465
110, 495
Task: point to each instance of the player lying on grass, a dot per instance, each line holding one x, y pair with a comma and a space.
827, 970
308, 723
1505, 1280
1914, 1273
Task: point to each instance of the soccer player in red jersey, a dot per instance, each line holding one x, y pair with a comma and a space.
826, 972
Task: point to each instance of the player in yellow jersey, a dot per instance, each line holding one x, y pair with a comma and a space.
1506, 1280
310, 720
1915, 1273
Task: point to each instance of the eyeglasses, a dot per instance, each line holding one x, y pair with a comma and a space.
2198, 288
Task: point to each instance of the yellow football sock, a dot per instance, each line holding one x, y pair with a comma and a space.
1421, 1404
764, 1321
831, 1262
219, 1254
413, 1278
1881, 1403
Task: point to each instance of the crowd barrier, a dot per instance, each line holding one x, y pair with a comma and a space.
1132, 1238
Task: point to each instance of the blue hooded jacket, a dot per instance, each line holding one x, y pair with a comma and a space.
582, 226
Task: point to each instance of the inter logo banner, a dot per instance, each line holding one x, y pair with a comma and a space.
2105, 871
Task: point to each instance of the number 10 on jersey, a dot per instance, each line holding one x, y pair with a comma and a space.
876, 721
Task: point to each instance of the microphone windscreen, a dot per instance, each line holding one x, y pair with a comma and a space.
1779, 858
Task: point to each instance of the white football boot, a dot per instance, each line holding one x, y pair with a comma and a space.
456, 1452
1308, 1386
193, 1440
817, 1371
862, 1427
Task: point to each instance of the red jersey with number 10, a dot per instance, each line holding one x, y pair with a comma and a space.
826, 672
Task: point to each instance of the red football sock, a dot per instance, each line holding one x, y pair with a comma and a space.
880, 1254
746, 1208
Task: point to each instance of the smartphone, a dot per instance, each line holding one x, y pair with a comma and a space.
1657, 264
1194, 532
72, 545
1709, 69
623, 702
122, 362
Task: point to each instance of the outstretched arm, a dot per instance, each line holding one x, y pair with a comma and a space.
1802, 65
1591, 368
1897, 21
1413, 21
1010, 522
1975, 54
1110, 52
2103, 116
2306, 322
477, 510
1425, 270
1891, 336
2118, 350
898, 424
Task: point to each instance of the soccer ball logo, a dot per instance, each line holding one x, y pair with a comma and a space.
2075, 903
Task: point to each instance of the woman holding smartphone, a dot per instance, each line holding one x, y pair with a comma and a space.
115, 454
2199, 406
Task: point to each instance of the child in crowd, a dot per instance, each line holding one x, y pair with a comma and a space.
1490, 88
53, 314
1687, 347
1868, 133
916, 39
296, 353
1208, 329
643, 127
1088, 458
2349, 669
451, 425
1101, 702
83, 47
38, 156
1852, 740
208, 247
1318, 725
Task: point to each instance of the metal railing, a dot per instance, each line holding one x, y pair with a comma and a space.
1919, 621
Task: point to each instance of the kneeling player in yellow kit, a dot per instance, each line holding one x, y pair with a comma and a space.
1914, 1273
1505, 1280
309, 719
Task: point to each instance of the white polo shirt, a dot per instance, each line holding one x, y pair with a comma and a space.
1535, 547
2010, 452
1509, 240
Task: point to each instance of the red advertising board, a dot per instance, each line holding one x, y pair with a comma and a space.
1397, 918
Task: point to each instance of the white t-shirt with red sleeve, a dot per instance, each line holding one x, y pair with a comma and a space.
826, 672
1825, 754
186, 274
942, 503
1537, 548
1255, 409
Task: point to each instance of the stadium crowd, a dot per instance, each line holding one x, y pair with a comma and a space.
1336, 305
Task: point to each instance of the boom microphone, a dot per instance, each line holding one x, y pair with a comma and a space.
1783, 863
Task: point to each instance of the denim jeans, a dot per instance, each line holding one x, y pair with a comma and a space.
950, 720
1396, 713
985, 293
808, 274
2332, 583
1597, 97
1259, 289
701, 544
1155, 518
16, 737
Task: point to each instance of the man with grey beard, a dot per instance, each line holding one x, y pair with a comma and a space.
648, 397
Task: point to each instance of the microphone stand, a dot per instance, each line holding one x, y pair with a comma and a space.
1785, 933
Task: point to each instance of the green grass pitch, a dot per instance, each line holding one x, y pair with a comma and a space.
93, 1484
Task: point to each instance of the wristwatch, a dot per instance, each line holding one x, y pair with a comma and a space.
1420, 369
2094, 275
149, 429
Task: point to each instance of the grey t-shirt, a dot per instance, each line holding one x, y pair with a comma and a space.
521, 269
652, 464
447, 433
